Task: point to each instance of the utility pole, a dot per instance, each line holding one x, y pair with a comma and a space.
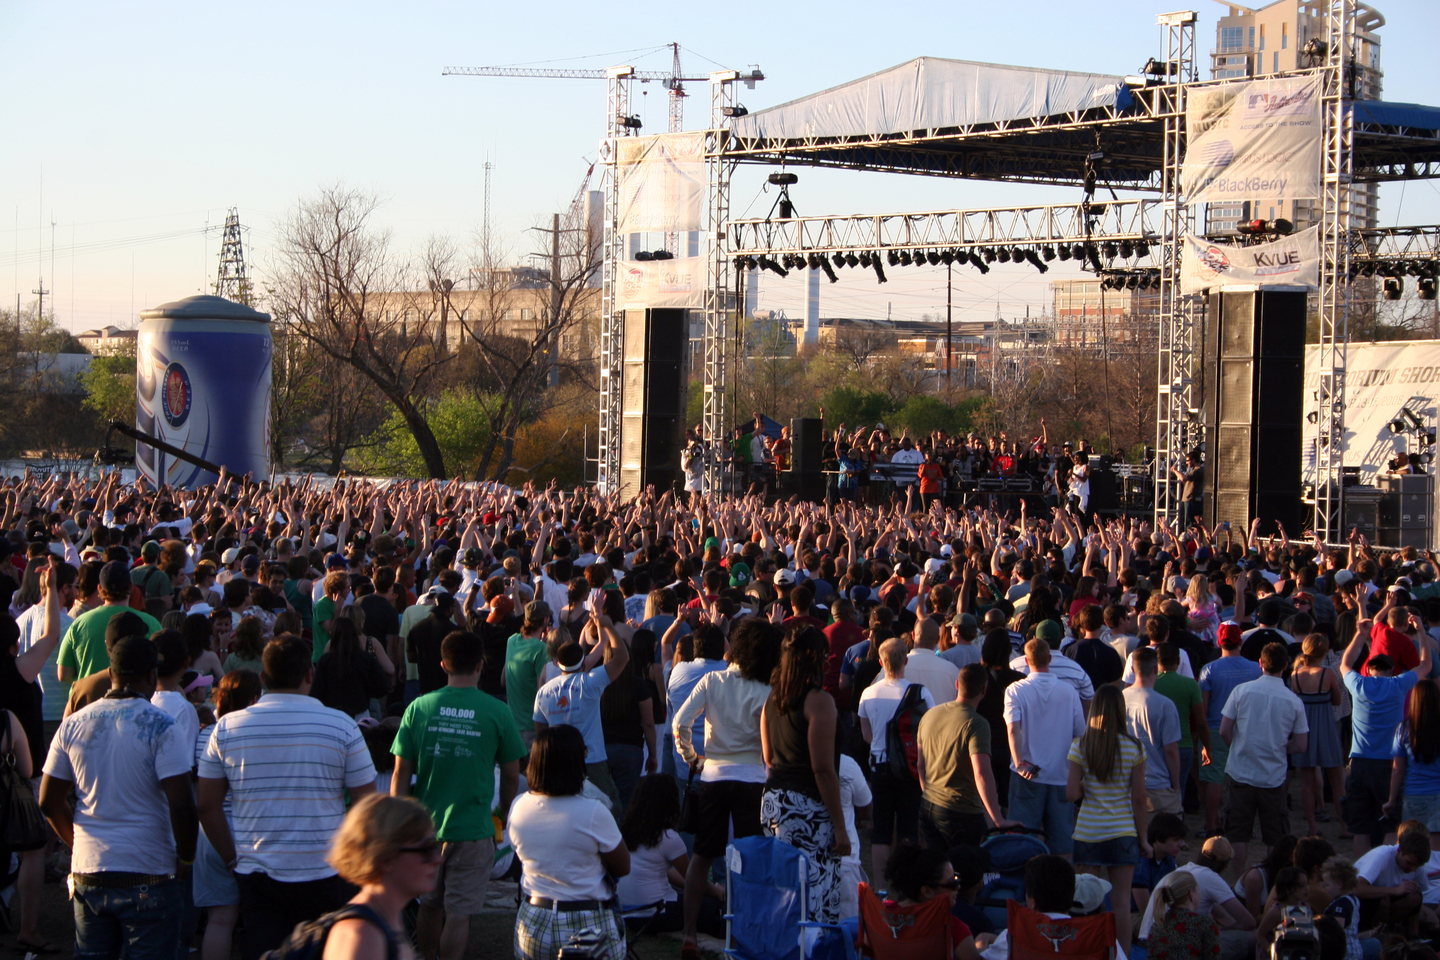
41, 292
949, 328
555, 302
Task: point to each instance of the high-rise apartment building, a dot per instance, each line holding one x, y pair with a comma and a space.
1271, 40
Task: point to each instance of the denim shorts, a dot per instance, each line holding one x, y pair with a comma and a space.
1042, 806
1115, 852
1425, 808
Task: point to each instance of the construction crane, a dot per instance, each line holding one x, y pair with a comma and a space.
673, 81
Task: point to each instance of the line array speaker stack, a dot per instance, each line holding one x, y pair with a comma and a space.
652, 401
1254, 369
806, 478
1406, 510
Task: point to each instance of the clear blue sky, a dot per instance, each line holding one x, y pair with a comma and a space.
132, 126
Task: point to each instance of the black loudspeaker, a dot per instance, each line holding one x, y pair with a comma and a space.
652, 401
1254, 374
806, 478
1104, 491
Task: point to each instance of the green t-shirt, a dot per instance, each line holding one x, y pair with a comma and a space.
152, 580
525, 660
949, 735
1185, 693
324, 610
83, 646
455, 736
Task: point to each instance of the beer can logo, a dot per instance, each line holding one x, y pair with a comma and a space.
178, 395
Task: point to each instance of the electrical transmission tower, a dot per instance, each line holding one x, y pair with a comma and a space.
232, 282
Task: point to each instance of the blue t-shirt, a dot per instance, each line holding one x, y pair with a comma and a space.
1378, 706
574, 698
1219, 678
1421, 779
1149, 872
853, 656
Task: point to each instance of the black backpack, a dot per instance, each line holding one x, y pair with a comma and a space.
307, 940
902, 750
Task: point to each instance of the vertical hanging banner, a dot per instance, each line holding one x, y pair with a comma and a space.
1255, 140
1294, 259
679, 282
661, 182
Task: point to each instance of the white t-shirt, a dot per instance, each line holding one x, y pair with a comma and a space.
116, 752
53, 692
559, 840
648, 880
939, 676
1213, 891
182, 710
1380, 869
877, 705
1129, 676
1049, 712
854, 792
1065, 669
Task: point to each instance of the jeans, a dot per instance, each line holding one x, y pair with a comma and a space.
1187, 757
270, 909
1042, 806
627, 762
943, 828
139, 923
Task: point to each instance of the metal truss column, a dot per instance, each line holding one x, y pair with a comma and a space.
1328, 396
612, 327
718, 168
1177, 421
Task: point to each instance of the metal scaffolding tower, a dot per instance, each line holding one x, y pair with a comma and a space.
719, 168
612, 325
233, 282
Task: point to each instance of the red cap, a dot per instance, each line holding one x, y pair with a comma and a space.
1232, 632
488, 519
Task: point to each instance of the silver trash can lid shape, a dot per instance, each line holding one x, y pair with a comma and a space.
204, 307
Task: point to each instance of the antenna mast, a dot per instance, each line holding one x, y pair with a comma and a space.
232, 282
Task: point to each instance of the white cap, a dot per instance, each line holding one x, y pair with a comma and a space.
934, 565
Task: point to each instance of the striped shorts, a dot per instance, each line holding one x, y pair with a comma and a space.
541, 932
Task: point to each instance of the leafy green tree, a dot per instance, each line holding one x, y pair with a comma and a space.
461, 432
109, 385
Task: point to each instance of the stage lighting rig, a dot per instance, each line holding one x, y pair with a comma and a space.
1425, 288
767, 264
989, 253
829, 271
919, 259
1127, 249
865, 259
948, 257
933, 257
1003, 254
1034, 260
892, 258
879, 270
1109, 249
978, 263
904, 258
1394, 288
851, 260
1048, 252
738, 110
1142, 249
839, 259
1064, 251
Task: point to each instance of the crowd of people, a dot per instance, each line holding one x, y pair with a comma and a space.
259, 705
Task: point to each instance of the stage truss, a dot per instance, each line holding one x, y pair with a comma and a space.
1143, 146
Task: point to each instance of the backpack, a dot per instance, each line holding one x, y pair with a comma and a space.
307, 941
902, 752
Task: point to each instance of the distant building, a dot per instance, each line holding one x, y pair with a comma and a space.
1086, 316
1270, 40
107, 341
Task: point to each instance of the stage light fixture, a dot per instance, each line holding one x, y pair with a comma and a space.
1127, 249
1092, 253
1078, 251
1312, 417
1394, 288
919, 258
1109, 249
1281, 226
865, 259
1048, 252
643, 255
1414, 269
631, 123
879, 270
851, 260
978, 264
947, 257
1003, 254
783, 179
989, 253
736, 111
933, 257
1397, 426
1367, 269
827, 269
1142, 249
1425, 287
1017, 254
839, 259
1064, 251
814, 261
892, 258
904, 258
1131, 282
767, 264
1034, 260
661, 255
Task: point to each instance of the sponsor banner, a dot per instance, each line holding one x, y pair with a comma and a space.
1258, 140
1380, 379
661, 182
663, 283
1290, 260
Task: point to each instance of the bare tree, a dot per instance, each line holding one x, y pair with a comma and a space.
333, 275
860, 343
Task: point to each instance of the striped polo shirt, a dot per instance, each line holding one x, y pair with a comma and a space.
1107, 812
288, 759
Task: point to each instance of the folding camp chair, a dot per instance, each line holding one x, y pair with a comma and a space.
767, 893
1037, 936
890, 932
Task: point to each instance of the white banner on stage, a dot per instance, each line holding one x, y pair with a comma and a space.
1291, 260
663, 283
1380, 378
662, 182
1259, 140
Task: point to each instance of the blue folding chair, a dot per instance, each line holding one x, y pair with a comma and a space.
767, 892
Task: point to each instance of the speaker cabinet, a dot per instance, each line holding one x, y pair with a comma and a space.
806, 478
1254, 370
652, 401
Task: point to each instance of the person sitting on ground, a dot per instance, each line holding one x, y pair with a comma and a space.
1338, 879
658, 863
1292, 890
1393, 881
1181, 932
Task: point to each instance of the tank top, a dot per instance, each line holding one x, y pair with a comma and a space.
789, 735
23, 698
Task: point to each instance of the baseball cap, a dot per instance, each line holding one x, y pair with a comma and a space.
784, 577
537, 611
150, 551
337, 561
230, 555
709, 542
251, 563
1049, 631
1343, 577
437, 591
200, 609
1202, 555
1090, 893
489, 518
122, 625
115, 578
739, 574
946, 550
1218, 848
472, 556
963, 619
934, 565
133, 656
194, 681
500, 608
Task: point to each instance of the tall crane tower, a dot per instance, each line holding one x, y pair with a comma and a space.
674, 81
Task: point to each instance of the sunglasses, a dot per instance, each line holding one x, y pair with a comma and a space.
952, 884
429, 850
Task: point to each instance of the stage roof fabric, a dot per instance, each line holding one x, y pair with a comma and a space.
931, 93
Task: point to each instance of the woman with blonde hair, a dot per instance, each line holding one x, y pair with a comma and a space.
388, 848
1201, 605
1179, 931
1318, 688
1107, 768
